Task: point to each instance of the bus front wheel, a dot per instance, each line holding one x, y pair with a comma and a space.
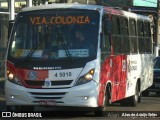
100, 111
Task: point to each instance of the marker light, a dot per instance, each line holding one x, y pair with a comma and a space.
12, 97
85, 97
7, 72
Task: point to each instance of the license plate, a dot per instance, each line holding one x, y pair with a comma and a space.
157, 85
47, 103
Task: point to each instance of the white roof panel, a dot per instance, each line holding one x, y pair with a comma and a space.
63, 5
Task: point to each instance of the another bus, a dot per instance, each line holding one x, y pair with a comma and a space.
47, 65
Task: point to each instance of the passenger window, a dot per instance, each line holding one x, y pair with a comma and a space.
140, 28
147, 32
116, 25
132, 28
124, 26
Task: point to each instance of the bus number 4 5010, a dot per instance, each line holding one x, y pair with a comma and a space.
63, 74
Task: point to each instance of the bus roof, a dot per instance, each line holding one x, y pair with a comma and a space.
120, 12
63, 6
86, 6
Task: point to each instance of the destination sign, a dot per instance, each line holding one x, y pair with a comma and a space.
37, 20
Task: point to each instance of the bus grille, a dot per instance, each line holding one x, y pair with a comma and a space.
54, 83
47, 95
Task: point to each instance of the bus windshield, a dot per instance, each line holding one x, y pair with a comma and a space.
55, 34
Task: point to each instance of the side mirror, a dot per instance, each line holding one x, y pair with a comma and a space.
11, 22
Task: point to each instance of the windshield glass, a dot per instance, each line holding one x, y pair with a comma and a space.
55, 34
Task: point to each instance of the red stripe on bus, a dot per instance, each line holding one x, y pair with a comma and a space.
24, 74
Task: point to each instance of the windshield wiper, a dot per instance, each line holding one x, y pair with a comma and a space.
27, 58
67, 52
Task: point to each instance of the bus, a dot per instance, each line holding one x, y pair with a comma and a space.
77, 55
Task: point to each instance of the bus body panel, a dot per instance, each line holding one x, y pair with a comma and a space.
138, 71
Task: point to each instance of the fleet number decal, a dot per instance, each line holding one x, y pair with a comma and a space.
63, 74
66, 74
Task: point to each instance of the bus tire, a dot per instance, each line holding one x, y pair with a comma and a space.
134, 98
100, 111
139, 97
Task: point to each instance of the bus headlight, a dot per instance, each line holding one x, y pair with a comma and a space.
12, 78
85, 78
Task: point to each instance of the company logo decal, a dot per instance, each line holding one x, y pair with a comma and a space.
47, 83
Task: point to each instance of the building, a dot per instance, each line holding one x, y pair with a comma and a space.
7, 12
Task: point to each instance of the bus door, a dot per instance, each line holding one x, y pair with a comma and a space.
115, 61
125, 51
123, 80
120, 48
116, 66
118, 70
106, 64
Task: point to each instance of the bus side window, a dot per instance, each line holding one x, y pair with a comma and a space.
124, 38
140, 28
147, 35
124, 26
116, 42
133, 36
116, 25
141, 40
106, 34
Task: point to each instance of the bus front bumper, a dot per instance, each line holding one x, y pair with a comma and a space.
85, 95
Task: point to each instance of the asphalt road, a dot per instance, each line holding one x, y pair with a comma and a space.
148, 109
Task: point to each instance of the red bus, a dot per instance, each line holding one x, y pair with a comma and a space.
77, 55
